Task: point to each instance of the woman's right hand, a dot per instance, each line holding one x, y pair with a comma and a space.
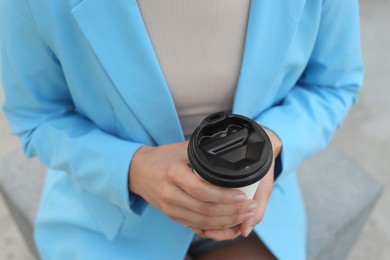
163, 177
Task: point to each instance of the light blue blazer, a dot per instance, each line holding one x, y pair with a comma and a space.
84, 90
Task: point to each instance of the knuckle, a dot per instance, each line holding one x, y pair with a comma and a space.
203, 209
170, 172
237, 209
208, 210
165, 194
204, 222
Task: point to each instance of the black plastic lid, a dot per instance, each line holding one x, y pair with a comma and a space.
230, 150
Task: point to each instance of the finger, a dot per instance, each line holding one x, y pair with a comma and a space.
201, 190
248, 225
262, 196
181, 199
195, 220
223, 234
264, 190
214, 209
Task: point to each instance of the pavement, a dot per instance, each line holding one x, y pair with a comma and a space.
364, 137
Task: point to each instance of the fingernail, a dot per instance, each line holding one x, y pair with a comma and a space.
247, 231
252, 207
240, 198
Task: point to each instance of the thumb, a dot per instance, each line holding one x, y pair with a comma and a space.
247, 227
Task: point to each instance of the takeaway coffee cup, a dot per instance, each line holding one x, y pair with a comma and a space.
230, 151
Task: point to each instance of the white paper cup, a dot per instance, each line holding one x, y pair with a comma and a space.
249, 190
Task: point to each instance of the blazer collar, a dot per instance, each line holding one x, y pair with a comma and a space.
127, 56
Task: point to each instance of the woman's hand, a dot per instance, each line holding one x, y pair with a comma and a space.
162, 176
262, 196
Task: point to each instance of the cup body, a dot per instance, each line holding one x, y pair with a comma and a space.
249, 190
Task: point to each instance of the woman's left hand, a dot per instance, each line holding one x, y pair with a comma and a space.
262, 196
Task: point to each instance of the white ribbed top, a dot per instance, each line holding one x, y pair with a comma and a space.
199, 45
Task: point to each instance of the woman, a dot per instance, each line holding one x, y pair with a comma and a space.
106, 101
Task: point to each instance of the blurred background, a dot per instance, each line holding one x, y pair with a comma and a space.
364, 137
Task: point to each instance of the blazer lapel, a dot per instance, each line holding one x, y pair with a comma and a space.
271, 26
116, 32
127, 55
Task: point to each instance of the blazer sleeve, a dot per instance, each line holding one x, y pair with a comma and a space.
40, 110
308, 116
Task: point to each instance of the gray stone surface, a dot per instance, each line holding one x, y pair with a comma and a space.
338, 199
365, 135
21, 182
12, 245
